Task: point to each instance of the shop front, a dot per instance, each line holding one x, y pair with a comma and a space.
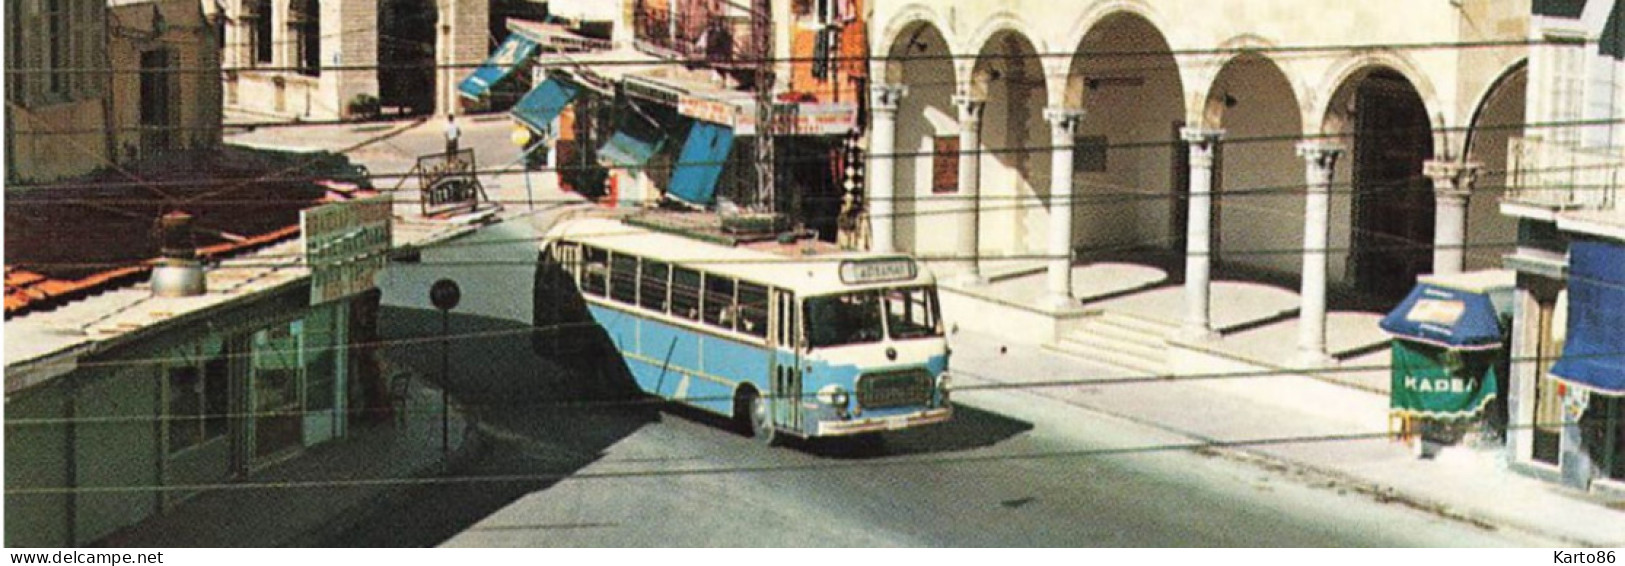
188, 404
1450, 359
1591, 371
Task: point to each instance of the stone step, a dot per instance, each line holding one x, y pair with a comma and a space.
1111, 339
1143, 325
1121, 333
1113, 358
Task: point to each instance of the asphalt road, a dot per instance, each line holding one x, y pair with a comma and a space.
568, 460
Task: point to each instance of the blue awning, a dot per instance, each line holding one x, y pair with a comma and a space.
1447, 318
624, 149
515, 50
1594, 355
544, 103
700, 165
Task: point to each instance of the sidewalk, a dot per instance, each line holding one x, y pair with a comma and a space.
1335, 433
325, 490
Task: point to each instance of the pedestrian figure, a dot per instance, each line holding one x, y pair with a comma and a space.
452, 133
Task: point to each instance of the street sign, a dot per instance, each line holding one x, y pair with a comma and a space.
345, 244
449, 183
445, 294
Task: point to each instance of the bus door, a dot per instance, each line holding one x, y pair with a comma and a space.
786, 394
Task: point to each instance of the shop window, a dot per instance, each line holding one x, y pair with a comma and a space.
1548, 423
274, 387
1602, 430
196, 399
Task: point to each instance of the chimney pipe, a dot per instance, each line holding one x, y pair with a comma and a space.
178, 272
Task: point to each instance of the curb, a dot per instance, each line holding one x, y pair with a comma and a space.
1336, 478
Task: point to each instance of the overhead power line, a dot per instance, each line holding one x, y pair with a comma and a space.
578, 60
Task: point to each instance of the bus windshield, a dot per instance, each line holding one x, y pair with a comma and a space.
856, 318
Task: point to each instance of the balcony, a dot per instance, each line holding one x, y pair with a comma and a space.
695, 33
1544, 178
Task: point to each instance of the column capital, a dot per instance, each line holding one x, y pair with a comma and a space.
1320, 152
1452, 178
1204, 136
884, 97
1062, 117
970, 108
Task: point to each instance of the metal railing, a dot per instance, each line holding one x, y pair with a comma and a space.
1562, 176
695, 31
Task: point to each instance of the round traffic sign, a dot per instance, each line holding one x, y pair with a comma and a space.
445, 294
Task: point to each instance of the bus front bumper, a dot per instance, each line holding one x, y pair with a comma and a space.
878, 424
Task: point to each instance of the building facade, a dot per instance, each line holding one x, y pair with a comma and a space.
64, 118
661, 101
1241, 138
101, 440
319, 60
1565, 173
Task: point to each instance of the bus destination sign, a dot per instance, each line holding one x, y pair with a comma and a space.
857, 272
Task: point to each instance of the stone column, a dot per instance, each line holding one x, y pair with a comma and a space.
1198, 324
1063, 125
970, 179
882, 165
1452, 184
1320, 160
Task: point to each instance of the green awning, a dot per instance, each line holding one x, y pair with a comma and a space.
1438, 383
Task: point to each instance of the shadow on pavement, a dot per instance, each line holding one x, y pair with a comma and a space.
540, 414
971, 428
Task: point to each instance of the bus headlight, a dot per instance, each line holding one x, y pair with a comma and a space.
943, 385
833, 395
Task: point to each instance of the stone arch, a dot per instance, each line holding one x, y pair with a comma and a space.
1015, 151
927, 137
1503, 85
1497, 118
1328, 116
1205, 105
909, 20
1257, 211
1001, 25
1125, 78
1382, 218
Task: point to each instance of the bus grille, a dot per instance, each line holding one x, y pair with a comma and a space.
894, 389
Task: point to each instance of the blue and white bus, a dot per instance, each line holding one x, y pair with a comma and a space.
827, 344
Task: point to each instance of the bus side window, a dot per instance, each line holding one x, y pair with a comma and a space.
652, 295
685, 293
719, 301
623, 278
594, 270
753, 309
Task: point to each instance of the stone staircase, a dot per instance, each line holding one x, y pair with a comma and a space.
1120, 340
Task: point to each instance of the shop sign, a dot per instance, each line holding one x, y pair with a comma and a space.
806, 119
345, 245
1438, 383
704, 109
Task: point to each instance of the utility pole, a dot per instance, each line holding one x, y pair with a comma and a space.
761, 35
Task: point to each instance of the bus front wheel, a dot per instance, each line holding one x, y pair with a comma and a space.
758, 413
